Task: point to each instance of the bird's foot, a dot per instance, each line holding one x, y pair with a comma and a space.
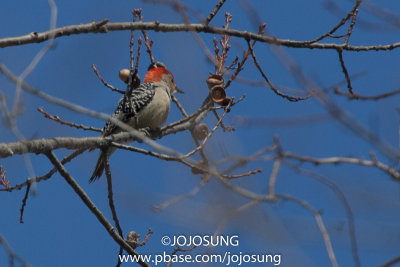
145, 131
156, 133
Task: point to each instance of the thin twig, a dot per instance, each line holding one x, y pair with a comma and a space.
131, 42
356, 96
179, 106
238, 69
28, 187
71, 124
111, 204
391, 262
111, 198
345, 72
320, 223
273, 88
104, 82
47, 175
210, 133
135, 72
336, 160
177, 199
274, 175
146, 238
147, 43
342, 198
249, 173
340, 24
133, 239
225, 129
352, 22
214, 12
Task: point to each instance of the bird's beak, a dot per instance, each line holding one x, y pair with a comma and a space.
179, 90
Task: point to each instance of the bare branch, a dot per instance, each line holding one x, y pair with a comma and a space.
340, 24
342, 198
210, 133
179, 106
273, 176
43, 145
214, 12
94, 27
335, 160
148, 44
356, 96
106, 83
28, 187
181, 197
111, 204
47, 175
320, 224
391, 262
276, 91
346, 73
71, 124
249, 173
352, 23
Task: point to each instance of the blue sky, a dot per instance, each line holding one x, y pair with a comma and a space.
59, 230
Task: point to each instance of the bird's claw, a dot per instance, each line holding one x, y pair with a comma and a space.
145, 131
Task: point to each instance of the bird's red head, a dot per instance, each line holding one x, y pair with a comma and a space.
156, 74
160, 74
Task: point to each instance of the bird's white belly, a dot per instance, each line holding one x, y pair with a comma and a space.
155, 113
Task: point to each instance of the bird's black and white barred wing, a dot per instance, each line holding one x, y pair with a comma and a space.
130, 105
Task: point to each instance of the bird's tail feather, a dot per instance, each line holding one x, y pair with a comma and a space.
100, 165
105, 153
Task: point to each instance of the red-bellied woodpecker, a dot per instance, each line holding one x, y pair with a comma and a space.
146, 106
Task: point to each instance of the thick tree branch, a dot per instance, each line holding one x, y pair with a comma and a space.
38, 146
104, 27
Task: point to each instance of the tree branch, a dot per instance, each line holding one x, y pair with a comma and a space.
104, 27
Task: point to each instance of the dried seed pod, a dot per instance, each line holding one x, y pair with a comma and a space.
196, 171
201, 131
225, 102
124, 75
218, 94
214, 80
